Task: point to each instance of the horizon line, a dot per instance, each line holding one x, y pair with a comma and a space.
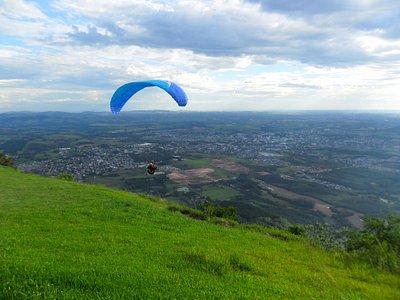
383, 111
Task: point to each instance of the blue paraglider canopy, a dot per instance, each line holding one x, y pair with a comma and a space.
125, 92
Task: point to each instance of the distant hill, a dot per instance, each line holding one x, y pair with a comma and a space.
67, 240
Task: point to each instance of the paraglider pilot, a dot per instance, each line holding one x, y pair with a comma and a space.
151, 168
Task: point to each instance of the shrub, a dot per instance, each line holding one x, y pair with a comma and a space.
272, 232
297, 230
378, 243
6, 161
210, 210
225, 216
191, 212
66, 177
223, 221
327, 236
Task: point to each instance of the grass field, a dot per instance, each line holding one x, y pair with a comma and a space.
65, 240
194, 163
219, 193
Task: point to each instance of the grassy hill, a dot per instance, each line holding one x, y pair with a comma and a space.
66, 240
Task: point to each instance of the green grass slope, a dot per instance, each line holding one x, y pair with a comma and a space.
67, 240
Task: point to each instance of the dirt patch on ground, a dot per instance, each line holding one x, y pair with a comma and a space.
230, 166
324, 208
192, 176
263, 173
286, 194
355, 220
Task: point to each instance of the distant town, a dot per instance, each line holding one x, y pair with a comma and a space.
348, 164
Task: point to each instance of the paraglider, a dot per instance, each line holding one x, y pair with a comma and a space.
126, 91
151, 168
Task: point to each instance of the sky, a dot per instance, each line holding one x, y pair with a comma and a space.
228, 55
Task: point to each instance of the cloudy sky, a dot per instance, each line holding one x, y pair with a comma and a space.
71, 55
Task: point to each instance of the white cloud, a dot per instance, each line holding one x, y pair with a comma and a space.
19, 9
380, 47
226, 54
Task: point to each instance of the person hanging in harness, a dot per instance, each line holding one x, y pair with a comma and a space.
151, 168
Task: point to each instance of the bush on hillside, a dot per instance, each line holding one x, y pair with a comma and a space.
66, 177
378, 243
327, 236
297, 230
191, 212
6, 161
223, 221
226, 216
271, 231
211, 210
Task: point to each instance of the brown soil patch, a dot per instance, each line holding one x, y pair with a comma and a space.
263, 173
230, 166
192, 176
324, 208
286, 194
355, 220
